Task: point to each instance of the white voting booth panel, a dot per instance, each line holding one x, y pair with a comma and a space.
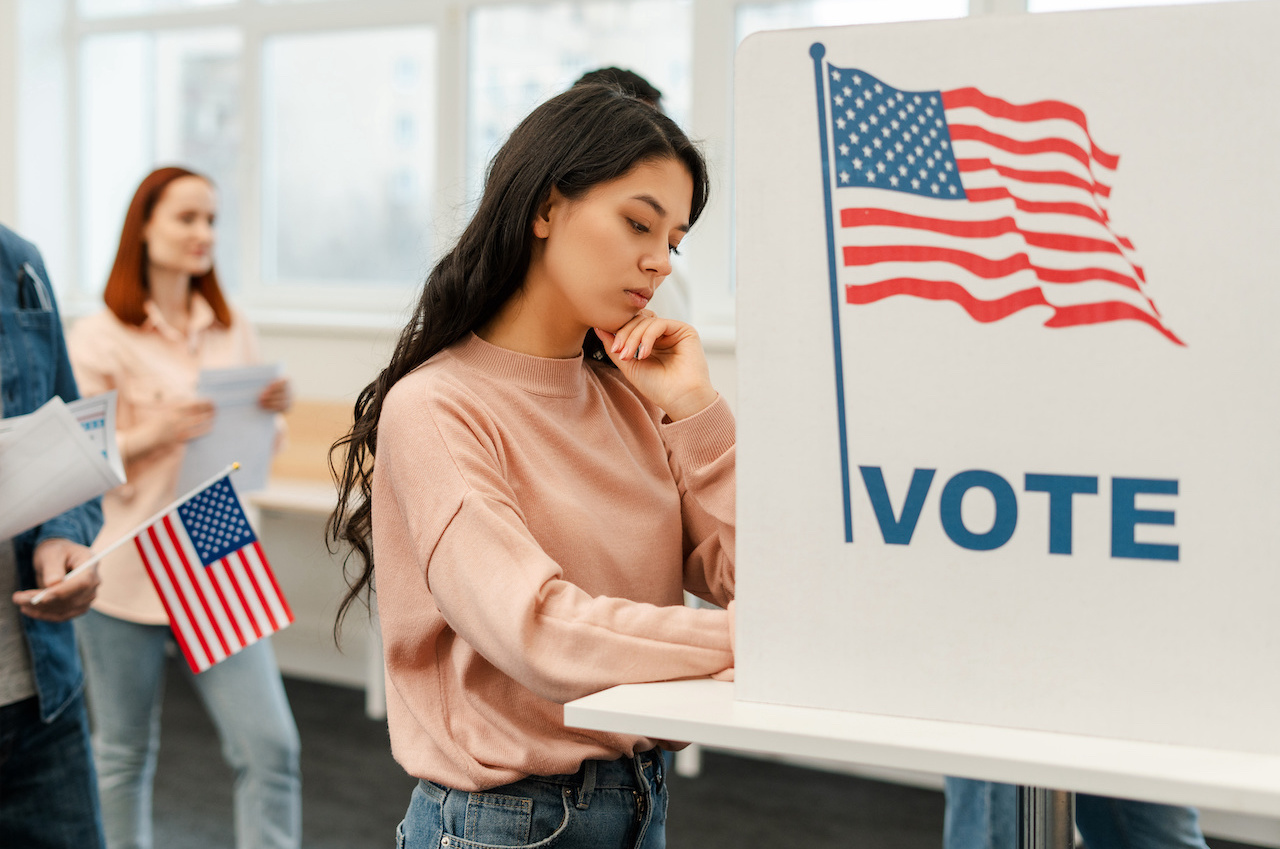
1008, 455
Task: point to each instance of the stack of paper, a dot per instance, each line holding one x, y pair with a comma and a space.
56, 458
242, 431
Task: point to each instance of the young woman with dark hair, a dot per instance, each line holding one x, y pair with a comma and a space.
553, 468
166, 319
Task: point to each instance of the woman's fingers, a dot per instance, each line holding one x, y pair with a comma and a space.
638, 337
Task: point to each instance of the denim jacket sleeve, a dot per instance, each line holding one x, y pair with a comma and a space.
34, 367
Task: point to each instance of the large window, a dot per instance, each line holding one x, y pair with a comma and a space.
152, 98
349, 146
348, 138
1079, 5
523, 54
755, 17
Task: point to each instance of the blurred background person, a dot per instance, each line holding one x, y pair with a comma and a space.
166, 319
984, 815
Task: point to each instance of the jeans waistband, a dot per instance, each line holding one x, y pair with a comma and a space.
627, 772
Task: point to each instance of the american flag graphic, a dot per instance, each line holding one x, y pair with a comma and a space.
212, 576
963, 197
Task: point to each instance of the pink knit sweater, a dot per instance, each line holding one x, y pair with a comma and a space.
534, 523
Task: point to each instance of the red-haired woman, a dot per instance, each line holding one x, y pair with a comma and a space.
166, 319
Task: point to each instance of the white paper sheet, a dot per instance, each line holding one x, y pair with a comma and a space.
56, 458
242, 431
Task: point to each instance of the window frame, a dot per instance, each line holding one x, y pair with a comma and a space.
709, 258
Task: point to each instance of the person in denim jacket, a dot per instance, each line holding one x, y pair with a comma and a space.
48, 789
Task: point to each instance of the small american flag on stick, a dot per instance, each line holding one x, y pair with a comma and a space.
212, 576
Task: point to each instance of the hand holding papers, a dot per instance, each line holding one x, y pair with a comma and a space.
242, 431
56, 458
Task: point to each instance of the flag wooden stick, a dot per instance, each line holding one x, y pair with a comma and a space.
93, 561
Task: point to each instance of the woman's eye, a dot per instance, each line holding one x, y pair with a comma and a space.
637, 226
673, 249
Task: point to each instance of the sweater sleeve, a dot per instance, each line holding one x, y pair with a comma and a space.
499, 591
703, 452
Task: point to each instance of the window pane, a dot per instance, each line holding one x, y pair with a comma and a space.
826, 13
110, 8
1076, 5
521, 55
149, 100
349, 157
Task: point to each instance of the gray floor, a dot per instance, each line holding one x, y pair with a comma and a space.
354, 793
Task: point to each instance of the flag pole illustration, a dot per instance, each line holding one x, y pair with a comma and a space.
959, 196
817, 51
210, 573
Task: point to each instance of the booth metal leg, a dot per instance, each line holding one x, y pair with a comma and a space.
1046, 818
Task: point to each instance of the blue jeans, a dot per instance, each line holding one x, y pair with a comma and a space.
48, 797
245, 698
984, 815
619, 804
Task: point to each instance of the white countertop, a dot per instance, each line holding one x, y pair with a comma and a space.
705, 712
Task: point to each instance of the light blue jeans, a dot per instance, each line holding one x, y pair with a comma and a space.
245, 698
984, 815
618, 804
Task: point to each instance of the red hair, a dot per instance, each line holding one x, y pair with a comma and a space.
127, 285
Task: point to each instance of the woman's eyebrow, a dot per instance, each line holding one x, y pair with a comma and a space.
658, 208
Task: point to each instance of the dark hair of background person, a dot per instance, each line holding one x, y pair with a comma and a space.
588, 135
629, 81
127, 284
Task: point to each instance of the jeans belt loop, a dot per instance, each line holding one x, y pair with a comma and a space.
588, 785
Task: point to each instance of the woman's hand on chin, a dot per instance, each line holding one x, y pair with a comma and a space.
663, 359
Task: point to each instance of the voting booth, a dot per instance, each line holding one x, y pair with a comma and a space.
1008, 456
1009, 422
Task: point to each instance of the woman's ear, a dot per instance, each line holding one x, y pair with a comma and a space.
542, 220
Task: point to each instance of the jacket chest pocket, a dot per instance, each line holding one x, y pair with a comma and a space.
30, 361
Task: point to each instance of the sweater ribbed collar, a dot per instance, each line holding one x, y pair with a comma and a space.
540, 375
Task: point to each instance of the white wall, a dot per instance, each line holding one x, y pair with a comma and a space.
8, 110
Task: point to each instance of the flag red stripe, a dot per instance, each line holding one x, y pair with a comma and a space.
244, 602
1043, 110
980, 266
253, 582
195, 586
856, 217
226, 608
276, 624
1058, 178
967, 132
945, 290
258, 607
990, 193
271, 576
989, 311
186, 608
1078, 314
1038, 207
195, 664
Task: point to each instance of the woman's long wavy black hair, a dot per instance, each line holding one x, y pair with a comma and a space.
586, 136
